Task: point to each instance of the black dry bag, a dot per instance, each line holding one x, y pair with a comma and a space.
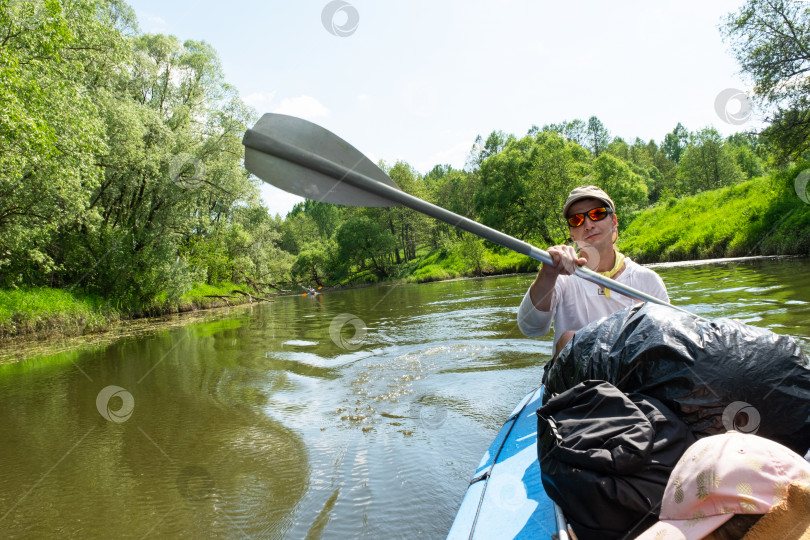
605, 458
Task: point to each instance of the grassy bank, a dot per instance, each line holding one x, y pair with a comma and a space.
439, 264
50, 312
44, 310
763, 216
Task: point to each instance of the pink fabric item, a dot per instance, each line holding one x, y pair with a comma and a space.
723, 475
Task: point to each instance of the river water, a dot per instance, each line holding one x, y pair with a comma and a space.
352, 414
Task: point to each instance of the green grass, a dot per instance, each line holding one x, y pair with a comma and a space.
762, 216
431, 272
440, 264
49, 311
510, 262
43, 309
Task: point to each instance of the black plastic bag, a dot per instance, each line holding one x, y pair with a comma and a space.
715, 375
605, 458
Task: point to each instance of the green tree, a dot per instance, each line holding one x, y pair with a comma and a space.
452, 189
675, 143
409, 227
51, 55
252, 243
707, 164
325, 215
771, 39
472, 251
744, 149
597, 136
523, 187
642, 154
618, 147
361, 240
575, 131
481, 149
627, 188
298, 230
312, 264
173, 172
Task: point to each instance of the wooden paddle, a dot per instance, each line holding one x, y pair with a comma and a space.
307, 160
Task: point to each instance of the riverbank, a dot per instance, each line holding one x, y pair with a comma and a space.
760, 217
44, 313
49, 341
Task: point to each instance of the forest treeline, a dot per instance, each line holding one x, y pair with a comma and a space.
122, 178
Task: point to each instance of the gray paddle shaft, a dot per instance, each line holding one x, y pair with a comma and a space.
310, 160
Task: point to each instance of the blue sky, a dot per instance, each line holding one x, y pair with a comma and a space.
418, 81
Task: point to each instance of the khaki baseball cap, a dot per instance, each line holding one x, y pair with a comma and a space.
588, 192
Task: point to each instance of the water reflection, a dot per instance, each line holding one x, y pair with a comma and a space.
196, 458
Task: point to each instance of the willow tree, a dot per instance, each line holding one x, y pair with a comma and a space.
53, 57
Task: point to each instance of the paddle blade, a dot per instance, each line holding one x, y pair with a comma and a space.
301, 180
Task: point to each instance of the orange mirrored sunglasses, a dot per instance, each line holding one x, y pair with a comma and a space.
596, 214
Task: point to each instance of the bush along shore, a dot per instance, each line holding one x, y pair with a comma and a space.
762, 216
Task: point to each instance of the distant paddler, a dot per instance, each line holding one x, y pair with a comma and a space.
310, 290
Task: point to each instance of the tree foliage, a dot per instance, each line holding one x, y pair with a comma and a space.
707, 164
523, 188
627, 189
771, 39
597, 136
120, 162
363, 242
675, 143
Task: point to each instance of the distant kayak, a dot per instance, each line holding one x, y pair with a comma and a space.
310, 291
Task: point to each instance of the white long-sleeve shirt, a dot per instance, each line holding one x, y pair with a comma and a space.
576, 302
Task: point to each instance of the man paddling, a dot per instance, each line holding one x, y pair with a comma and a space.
570, 302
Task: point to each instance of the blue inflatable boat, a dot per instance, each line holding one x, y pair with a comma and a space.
506, 498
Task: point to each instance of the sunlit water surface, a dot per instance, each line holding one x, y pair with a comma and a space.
353, 414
